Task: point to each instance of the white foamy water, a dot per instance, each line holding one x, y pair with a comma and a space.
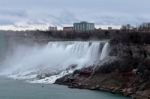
104, 52
53, 60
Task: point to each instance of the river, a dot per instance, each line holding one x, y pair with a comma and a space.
17, 89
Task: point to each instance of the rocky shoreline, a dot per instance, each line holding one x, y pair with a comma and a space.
125, 71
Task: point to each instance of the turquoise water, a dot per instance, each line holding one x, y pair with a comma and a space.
14, 89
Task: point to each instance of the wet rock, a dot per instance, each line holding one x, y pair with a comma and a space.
125, 71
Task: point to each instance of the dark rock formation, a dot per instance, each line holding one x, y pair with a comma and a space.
126, 71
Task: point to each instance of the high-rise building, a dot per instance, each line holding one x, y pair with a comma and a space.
2, 43
83, 27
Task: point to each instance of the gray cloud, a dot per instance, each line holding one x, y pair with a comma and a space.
59, 12
13, 13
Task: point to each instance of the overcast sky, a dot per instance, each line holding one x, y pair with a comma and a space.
59, 12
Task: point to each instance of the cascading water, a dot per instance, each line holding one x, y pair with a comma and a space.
104, 52
53, 60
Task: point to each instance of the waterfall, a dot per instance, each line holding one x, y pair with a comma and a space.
53, 60
105, 50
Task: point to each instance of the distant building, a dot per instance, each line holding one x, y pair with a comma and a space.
144, 27
83, 27
109, 28
52, 28
126, 27
2, 43
68, 29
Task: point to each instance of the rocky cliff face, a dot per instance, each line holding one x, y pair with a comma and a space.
125, 71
